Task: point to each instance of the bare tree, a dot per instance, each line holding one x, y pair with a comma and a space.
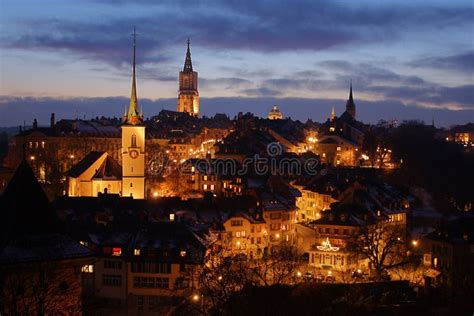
278, 267
39, 288
413, 272
220, 277
382, 244
377, 145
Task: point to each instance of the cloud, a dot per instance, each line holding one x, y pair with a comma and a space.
454, 98
463, 62
372, 81
14, 110
261, 92
227, 83
257, 26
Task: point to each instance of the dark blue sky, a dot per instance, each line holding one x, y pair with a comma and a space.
407, 59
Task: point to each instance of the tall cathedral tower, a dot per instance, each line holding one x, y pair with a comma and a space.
133, 144
188, 95
350, 105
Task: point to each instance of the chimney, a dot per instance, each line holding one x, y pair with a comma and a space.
52, 120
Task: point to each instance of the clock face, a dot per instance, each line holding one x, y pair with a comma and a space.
133, 154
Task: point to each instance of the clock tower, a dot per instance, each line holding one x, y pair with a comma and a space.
133, 144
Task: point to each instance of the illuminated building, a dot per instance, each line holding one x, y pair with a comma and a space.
275, 114
188, 96
341, 138
245, 234
96, 173
280, 217
133, 146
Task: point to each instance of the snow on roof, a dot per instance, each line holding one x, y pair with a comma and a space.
33, 248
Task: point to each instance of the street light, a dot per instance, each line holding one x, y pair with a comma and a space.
414, 243
196, 299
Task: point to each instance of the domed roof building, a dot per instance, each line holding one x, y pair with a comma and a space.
275, 114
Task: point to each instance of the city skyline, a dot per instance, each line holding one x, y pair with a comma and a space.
400, 66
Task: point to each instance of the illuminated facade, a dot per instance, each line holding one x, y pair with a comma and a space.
133, 146
275, 114
311, 204
96, 173
188, 96
245, 234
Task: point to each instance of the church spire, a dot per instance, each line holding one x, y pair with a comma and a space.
350, 105
351, 99
333, 114
188, 65
133, 115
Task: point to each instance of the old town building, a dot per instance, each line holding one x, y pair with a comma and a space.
188, 96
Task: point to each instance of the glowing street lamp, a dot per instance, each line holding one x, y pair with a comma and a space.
196, 299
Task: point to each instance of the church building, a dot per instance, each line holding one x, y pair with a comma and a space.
100, 173
188, 96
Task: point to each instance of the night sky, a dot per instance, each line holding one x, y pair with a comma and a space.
407, 59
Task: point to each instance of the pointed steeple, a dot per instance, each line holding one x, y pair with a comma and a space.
133, 115
188, 65
350, 105
350, 94
333, 114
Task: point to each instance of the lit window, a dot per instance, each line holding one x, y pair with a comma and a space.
84, 243
182, 253
172, 217
240, 233
88, 268
116, 251
205, 178
193, 169
136, 252
212, 187
42, 144
204, 186
338, 148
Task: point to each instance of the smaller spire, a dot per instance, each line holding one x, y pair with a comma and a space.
350, 105
333, 114
188, 65
350, 94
